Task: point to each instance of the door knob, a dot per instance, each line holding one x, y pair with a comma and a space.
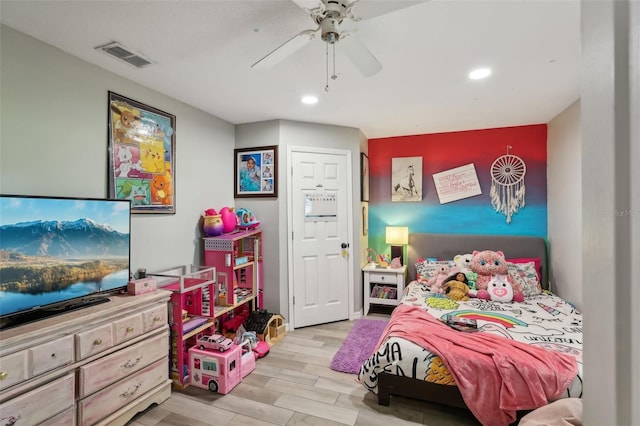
344, 245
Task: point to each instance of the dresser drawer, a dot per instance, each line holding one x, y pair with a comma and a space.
155, 317
383, 278
116, 396
103, 372
66, 418
13, 369
127, 328
94, 341
52, 355
41, 404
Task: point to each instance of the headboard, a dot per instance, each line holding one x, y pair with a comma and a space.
446, 246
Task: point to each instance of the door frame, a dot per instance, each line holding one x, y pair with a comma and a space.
350, 232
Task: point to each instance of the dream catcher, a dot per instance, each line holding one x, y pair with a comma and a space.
507, 184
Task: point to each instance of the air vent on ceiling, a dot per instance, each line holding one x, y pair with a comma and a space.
125, 54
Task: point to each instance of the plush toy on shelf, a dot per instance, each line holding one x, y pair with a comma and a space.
228, 219
245, 219
395, 263
212, 225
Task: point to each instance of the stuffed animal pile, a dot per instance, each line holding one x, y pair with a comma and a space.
491, 267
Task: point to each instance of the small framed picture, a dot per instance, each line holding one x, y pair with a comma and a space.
364, 176
256, 172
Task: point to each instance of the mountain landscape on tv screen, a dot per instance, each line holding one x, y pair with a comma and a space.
45, 255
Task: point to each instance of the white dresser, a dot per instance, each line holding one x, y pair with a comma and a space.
94, 366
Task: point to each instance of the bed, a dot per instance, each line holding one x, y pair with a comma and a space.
401, 365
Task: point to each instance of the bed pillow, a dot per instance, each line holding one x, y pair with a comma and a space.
535, 260
426, 269
526, 275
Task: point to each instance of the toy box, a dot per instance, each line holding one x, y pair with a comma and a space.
217, 371
141, 286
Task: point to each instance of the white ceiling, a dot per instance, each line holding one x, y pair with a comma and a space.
204, 50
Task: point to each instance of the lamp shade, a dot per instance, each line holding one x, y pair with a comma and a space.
397, 235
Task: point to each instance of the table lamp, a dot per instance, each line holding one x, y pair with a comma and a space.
397, 236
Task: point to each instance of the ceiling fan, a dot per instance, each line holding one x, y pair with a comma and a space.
335, 20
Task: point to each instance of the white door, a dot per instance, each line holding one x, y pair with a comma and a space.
320, 276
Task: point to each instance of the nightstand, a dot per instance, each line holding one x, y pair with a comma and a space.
382, 286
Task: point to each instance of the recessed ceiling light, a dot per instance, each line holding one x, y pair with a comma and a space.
479, 73
309, 99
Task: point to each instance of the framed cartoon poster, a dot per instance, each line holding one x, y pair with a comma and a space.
141, 155
256, 172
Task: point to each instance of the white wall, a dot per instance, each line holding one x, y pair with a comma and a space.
267, 211
564, 198
273, 213
53, 141
610, 102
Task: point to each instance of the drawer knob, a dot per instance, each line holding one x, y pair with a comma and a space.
155, 319
3, 375
53, 355
97, 342
129, 329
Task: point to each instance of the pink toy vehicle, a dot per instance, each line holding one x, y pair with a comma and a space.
218, 372
215, 342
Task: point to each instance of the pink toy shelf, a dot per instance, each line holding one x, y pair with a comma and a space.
237, 257
192, 312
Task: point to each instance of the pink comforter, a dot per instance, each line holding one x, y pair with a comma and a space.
496, 376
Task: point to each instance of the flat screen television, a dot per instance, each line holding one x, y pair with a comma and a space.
59, 254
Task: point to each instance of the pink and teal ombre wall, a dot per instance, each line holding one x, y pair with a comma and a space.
444, 151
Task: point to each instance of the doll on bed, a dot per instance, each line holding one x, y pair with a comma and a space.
456, 287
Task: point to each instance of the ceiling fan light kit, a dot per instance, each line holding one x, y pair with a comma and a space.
331, 17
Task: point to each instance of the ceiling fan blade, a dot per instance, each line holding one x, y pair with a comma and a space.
367, 9
364, 9
307, 4
360, 56
285, 50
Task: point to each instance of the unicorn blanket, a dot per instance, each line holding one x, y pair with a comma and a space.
544, 321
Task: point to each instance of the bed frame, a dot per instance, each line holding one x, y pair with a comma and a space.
446, 246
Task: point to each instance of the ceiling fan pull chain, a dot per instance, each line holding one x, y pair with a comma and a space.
326, 88
334, 76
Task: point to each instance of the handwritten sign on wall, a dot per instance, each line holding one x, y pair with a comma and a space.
456, 184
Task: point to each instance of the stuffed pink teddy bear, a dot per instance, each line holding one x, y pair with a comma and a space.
441, 274
488, 263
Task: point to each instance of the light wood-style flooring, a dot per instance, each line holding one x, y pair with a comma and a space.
293, 385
